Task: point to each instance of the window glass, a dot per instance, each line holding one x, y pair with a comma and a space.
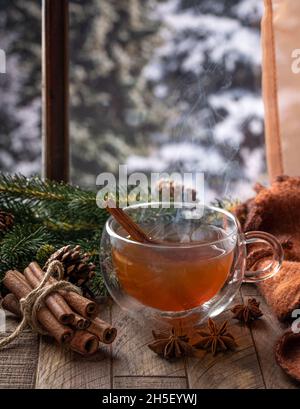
168, 85
20, 86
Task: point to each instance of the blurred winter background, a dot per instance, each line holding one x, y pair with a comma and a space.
161, 85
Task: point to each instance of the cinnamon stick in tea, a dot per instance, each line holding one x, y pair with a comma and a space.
133, 229
15, 282
78, 303
105, 332
10, 303
84, 343
55, 302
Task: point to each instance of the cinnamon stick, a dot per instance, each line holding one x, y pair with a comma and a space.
104, 331
81, 305
133, 229
55, 302
10, 303
80, 322
15, 282
84, 343
78, 303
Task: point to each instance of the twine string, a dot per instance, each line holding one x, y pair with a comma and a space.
34, 300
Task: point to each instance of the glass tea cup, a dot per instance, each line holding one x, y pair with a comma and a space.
194, 271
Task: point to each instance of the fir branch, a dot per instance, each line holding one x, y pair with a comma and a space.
97, 285
21, 211
225, 203
49, 215
20, 245
43, 253
50, 200
64, 226
34, 189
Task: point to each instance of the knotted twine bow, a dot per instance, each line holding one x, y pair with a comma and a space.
33, 301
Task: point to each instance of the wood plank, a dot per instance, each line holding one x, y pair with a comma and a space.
145, 382
237, 369
266, 332
11, 322
18, 361
60, 369
132, 357
135, 366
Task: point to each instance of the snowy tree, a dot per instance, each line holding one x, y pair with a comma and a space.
20, 108
208, 76
111, 116
157, 84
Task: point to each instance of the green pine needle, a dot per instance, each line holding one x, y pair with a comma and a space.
97, 285
47, 216
50, 201
43, 253
20, 245
226, 203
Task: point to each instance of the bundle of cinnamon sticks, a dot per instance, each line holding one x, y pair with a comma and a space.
67, 316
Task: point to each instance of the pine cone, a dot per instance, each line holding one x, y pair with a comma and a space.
6, 221
78, 270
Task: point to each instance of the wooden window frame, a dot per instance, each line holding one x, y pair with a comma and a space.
55, 90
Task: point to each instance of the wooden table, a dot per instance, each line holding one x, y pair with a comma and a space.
33, 362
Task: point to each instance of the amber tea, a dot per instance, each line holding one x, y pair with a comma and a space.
177, 276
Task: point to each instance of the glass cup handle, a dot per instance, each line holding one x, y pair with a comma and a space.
254, 237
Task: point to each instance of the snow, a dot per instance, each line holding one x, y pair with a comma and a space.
199, 120
28, 168
253, 162
153, 72
192, 157
160, 91
6, 158
223, 38
167, 7
239, 108
28, 134
194, 61
241, 189
189, 36
256, 126
240, 43
151, 163
203, 22
249, 9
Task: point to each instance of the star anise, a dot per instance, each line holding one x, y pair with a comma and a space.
169, 344
215, 338
247, 313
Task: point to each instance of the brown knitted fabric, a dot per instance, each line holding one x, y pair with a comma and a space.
282, 291
276, 210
